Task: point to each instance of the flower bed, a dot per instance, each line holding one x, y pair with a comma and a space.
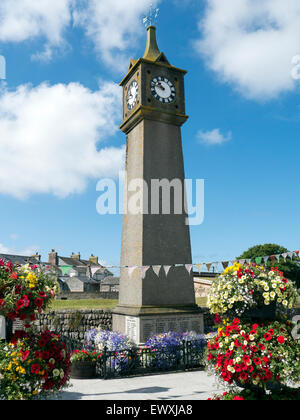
33, 366
167, 349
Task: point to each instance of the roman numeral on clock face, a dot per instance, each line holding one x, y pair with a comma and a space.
163, 89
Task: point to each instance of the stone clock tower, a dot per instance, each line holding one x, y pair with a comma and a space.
153, 113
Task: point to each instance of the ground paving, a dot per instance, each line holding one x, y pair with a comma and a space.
196, 385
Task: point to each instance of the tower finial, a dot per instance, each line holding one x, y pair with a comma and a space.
152, 50
152, 17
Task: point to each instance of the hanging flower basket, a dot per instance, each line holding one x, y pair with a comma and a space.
250, 292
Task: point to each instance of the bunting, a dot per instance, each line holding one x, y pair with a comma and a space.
199, 266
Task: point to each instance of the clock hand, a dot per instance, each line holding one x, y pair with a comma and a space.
160, 86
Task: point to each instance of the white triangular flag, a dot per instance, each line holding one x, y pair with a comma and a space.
131, 270
167, 269
94, 270
156, 269
199, 267
189, 267
284, 255
144, 270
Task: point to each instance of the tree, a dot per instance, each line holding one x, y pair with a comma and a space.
291, 269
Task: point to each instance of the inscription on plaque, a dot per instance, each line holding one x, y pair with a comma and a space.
2, 328
131, 327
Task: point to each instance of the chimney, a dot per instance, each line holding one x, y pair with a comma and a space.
76, 256
94, 260
37, 257
53, 258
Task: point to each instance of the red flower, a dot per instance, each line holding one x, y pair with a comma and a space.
45, 355
243, 376
25, 354
35, 368
38, 302
42, 342
257, 361
268, 337
14, 276
238, 368
281, 340
238, 398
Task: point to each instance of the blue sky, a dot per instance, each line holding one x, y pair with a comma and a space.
60, 110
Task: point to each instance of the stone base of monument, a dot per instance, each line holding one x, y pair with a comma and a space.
141, 323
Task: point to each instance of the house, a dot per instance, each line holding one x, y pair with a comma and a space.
110, 284
21, 259
76, 274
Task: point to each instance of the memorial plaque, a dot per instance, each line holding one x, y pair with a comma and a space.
2, 328
132, 327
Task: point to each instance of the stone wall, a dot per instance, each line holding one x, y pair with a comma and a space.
88, 295
74, 324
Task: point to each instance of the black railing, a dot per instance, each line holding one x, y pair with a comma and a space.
142, 361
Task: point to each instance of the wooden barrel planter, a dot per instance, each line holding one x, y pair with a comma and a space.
83, 370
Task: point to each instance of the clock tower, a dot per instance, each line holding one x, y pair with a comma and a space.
158, 299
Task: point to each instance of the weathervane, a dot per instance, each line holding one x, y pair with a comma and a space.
151, 18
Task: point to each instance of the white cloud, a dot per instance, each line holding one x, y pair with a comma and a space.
29, 251
114, 27
250, 44
213, 137
22, 20
49, 137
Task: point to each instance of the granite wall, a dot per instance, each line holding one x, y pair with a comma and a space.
74, 324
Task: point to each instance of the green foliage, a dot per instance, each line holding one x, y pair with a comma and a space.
290, 269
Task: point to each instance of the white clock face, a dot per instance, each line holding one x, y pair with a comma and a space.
163, 90
132, 95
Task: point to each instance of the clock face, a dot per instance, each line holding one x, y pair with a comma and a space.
132, 95
163, 90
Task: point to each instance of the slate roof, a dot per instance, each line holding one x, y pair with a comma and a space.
20, 259
110, 280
